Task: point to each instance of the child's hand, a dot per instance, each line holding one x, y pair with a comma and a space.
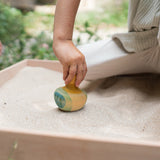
0, 48
72, 59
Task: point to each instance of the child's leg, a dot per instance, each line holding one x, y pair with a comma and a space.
105, 58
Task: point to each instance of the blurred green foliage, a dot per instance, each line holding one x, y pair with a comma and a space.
35, 21
39, 47
113, 15
22, 36
86, 28
17, 43
11, 24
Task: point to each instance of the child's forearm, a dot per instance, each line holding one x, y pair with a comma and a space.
72, 60
64, 19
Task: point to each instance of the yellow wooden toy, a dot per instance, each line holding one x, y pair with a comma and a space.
69, 97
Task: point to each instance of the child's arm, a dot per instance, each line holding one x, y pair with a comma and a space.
71, 58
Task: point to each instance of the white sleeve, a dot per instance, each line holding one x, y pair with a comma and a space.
106, 58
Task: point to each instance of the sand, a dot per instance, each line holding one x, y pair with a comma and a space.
119, 107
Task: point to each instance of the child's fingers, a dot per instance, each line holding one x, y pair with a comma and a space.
72, 73
65, 72
79, 77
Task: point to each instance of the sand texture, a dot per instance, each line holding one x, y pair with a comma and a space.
118, 107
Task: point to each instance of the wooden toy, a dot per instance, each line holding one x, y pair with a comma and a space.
70, 97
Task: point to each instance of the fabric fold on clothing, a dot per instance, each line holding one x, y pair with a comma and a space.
138, 41
143, 26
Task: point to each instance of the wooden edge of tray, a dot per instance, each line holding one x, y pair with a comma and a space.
11, 71
49, 64
40, 146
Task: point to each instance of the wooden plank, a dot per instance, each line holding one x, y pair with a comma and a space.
44, 147
11, 71
49, 64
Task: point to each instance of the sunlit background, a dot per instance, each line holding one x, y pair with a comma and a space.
26, 27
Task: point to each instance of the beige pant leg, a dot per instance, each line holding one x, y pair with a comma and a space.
105, 58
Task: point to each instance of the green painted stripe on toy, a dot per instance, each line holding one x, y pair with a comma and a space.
60, 97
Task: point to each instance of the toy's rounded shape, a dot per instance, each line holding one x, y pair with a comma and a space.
70, 98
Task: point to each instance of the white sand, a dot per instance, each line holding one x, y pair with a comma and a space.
125, 107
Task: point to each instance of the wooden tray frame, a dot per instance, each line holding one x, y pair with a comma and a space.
21, 144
